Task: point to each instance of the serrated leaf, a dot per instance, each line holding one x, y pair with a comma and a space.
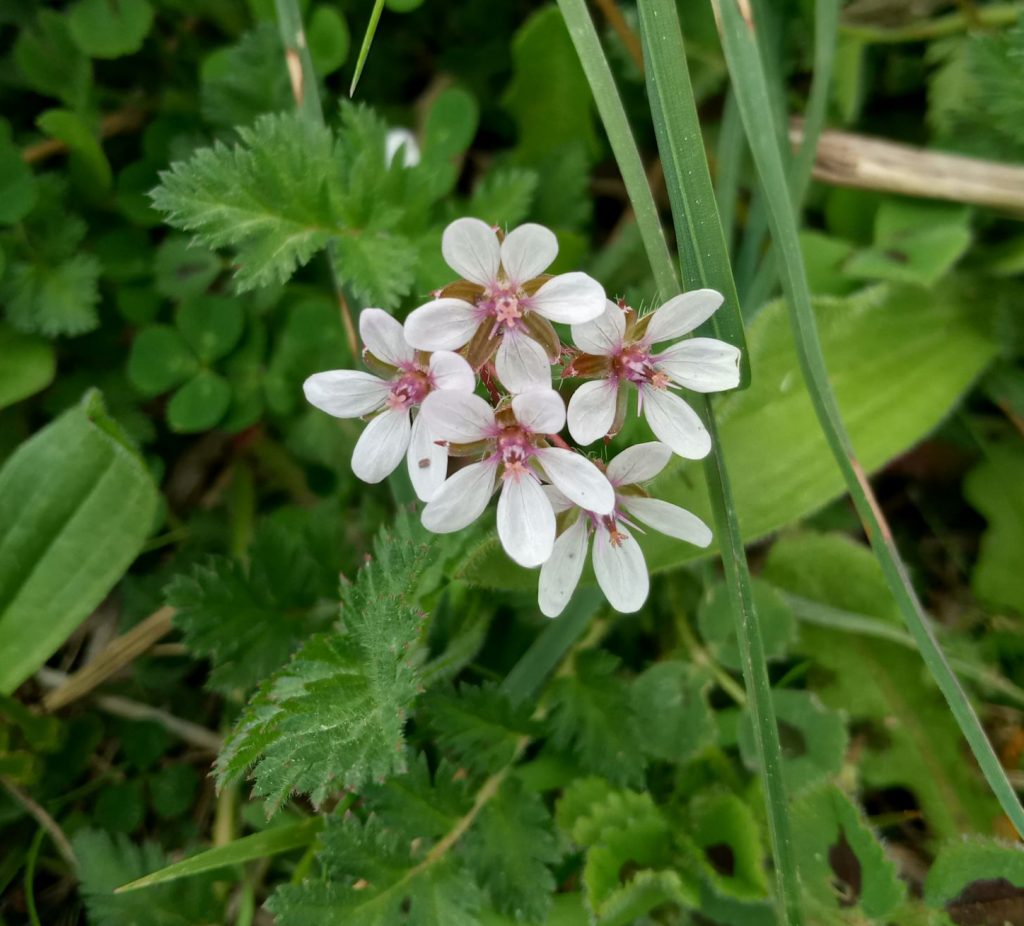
503, 197
373, 876
379, 266
726, 834
976, 870
995, 487
843, 865
510, 849
670, 711
479, 726
584, 706
421, 804
718, 626
103, 29
53, 299
334, 716
917, 745
199, 404
159, 360
272, 197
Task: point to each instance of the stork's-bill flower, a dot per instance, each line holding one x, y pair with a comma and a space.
504, 303
513, 447
409, 377
617, 350
619, 563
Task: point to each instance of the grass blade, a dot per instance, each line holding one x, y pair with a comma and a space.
364, 49
704, 261
298, 59
745, 68
730, 156
588, 47
273, 841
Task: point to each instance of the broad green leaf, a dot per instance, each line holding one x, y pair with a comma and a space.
29, 364
843, 865
184, 270
17, 184
899, 360
76, 504
670, 711
159, 360
86, 152
916, 746
269, 842
963, 864
996, 488
718, 627
50, 61
451, 123
200, 404
212, 325
105, 29
328, 38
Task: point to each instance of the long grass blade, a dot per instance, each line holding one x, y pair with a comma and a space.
730, 156
745, 68
364, 49
595, 65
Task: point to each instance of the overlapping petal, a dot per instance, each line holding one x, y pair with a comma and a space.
572, 298
384, 338
675, 423
450, 371
542, 411
381, 446
602, 336
459, 417
461, 499
526, 521
561, 573
702, 364
621, 571
443, 324
527, 252
427, 461
521, 363
346, 393
639, 463
591, 411
577, 479
681, 314
471, 249
668, 519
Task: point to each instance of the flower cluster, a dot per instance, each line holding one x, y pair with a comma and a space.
493, 328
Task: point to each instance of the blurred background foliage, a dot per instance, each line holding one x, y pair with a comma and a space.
174, 518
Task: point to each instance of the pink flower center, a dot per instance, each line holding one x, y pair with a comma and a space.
513, 449
506, 303
411, 388
635, 364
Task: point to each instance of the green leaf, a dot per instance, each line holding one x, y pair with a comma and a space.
86, 152
248, 619
451, 124
975, 863
717, 627
184, 270
996, 488
53, 299
670, 711
727, 836
212, 325
916, 744
51, 62
549, 97
583, 704
159, 360
374, 876
503, 197
172, 790
200, 404
843, 866
76, 504
105, 862
29, 365
510, 848
272, 197
329, 39
17, 184
105, 29
379, 266
334, 716
261, 845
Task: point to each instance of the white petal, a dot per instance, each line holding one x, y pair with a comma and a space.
668, 519
384, 338
346, 393
621, 571
444, 324
381, 446
572, 298
451, 371
401, 139
592, 410
527, 252
459, 417
639, 463
681, 314
471, 249
526, 521
560, 575
428, 463
540, 410
558, 501
522, 363
702, 364
602, 336
461, 499
676, 424
578, 479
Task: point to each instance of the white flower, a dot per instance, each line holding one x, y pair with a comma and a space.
618, 560
617, 348
401, 140
504, 305
393, 433
513, 446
